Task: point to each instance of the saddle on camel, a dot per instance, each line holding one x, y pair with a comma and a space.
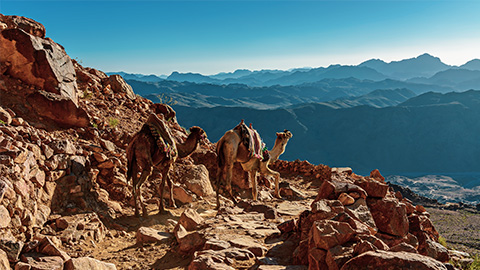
252, 141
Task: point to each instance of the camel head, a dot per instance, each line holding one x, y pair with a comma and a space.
285, 135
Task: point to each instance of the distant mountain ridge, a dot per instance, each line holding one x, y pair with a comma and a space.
422, 66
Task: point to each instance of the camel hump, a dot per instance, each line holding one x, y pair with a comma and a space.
252, 141
161, 134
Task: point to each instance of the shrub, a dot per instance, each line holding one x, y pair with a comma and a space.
113, 122
442, 241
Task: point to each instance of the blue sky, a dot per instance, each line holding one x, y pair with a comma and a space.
158, 37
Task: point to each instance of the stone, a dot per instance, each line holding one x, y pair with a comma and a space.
4, 217
268, 211
99, 157
373, 188
338, 256
404, 247
86, 263
196, 179
64, 146
190, 219
12, 248
375, 174
40, 262
390, 215
288, 226
4, 264
437, 251
392, 260
149, 235
316, 259
361, 212
188, 242
119, 85
216, 244
26, 24
5, 117
346, 199
332, 189
249, 244
326, 234
48, 247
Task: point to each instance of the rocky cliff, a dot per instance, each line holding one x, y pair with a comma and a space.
65, 201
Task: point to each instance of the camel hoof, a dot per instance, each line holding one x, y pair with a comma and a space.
162, 211
277, 196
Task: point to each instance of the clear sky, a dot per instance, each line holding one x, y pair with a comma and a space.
158, 37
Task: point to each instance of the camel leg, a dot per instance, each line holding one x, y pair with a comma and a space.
277, 188
228, 185
170, 185
161, 207
252, 178
218, 182
137, 191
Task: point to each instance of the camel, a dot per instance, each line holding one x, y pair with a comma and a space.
144, 155
231, 149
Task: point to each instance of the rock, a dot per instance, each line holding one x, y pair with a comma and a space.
4, 217
392, 260
62, 110
197, 180
40, 262
346, 199
436, 251
216, 244
190, 219
288, 226
250, 244
268, 211
119, 85
63, 147
403, 247
332, 189
86, 263
390, 215
48, 247
361, 212
188, 242
149, 235
316, 259
338, 256
373, 187
326, 234
12, 248
208, 260
375, 174
5, 117
4, 264
26, 24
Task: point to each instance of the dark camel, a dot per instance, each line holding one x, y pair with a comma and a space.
144, 155
230, 149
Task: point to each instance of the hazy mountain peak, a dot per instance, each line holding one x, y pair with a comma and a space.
472, 65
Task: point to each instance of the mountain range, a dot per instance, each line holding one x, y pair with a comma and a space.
413, 116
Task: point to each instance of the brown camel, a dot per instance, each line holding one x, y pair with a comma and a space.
231, 149
145, 153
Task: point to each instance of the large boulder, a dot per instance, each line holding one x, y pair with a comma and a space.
390, 215
118, 85
392, 260
38, 62
26, 24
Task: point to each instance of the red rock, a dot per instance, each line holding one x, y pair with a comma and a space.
288, 226
48, 247
188, 242
403, 247
326, 234
373, 188
301, 253
390, 215
316, 259
360, 211
190, 219
216, 244
375, 174
338, 256
119, 85
149, 235
86, 263
392, 260
436, 250
26, 24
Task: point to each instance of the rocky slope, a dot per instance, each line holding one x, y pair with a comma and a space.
65, 202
